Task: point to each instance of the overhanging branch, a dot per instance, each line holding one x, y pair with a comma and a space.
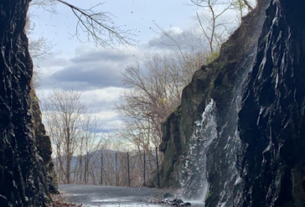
99, 27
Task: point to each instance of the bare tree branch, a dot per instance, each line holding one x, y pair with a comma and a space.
47, 5
99, 27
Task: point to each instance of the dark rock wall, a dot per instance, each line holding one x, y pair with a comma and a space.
270, 121
22, 171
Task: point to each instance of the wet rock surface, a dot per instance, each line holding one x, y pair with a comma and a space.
23, 176
216, 80
175, 202
258, 86
272, 121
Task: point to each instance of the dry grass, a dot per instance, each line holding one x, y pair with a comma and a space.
60, 201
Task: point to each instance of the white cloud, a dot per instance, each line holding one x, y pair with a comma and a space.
175, 30
88, 69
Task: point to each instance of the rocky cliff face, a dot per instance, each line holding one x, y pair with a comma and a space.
42, 142
257, 156
271, 120
217, 81
23, 176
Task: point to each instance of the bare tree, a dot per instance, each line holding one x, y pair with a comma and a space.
186, 44
155, 88
212, 28
73, 132
91, 142
212, 23
63, 115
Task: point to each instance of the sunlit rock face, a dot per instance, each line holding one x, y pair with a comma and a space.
22, 171
42, 142
257, 84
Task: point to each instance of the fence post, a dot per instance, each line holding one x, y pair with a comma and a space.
128, 169
144, 168
116, 169
158, 167
85, 173
102, 168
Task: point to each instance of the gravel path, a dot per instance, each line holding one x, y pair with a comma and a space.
95, 195
110, 196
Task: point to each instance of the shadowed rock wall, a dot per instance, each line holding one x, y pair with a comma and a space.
272, 117
22, 171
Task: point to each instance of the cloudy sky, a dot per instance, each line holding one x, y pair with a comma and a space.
96, 72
